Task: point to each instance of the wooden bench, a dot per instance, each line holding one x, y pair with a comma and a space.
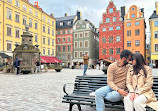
84, 85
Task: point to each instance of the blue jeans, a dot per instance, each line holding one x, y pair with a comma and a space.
105, 93
85, 69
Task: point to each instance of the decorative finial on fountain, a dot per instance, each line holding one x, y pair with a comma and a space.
27, 28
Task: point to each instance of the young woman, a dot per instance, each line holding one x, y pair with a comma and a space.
139, 83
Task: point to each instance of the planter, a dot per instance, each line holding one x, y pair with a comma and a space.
57, 70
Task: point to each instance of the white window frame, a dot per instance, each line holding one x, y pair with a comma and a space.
9, 14
44, 18
74, 54
85, 45
53, 42
48, 41
44, 51
17, 3
36, 35
18, 19
7, 46
24, 7
82, 34
30, 21
79, 44
10, 1
11, 31
30, 10
24, 17
36, 13
104, 29
35, 25
44, 40
74, 44
15, 32
86, 52
80, 56
75, 34
48, 51
118, 39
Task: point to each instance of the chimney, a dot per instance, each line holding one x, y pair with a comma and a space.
123, 10
66, 14
79, 14
156, 6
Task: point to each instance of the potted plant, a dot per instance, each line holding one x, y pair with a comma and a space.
105, 70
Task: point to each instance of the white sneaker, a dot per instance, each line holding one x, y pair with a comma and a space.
92, 94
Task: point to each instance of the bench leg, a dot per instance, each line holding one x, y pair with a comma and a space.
70, 107
79, 107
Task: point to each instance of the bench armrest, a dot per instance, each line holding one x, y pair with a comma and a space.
64, 88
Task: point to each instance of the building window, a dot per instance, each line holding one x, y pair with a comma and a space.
118, 39
81, 35
52, 23
9, 1
156, 34
9, 47
156, 23
110, 51
81, 54
36, 14
44, 40
17, 3
111, 10
48, 30
110, 39
17, 18
81, 44
114, 19
103, 40
61, 23
24, 7
52, 32
110, 28
68, 39
49, 21
136, 23
58, 40
52, 42
24, 20
76, 44
133, 9
30, 10
30, 23
9, 31
44, 52
69, 48
63, 31
44, 29
44, 18
104, 29
69, 23
137, 42
156, 47
137, 32
59, 32
48, 51
118, 28
58, 49
9, 14
63, 40
36, 25
86, 44
69, 57
76, 54
128, 32
76, 35
118, 51
133, 15
128, 43
69, 31
36, 38
107, 20
48, 41
17, 33
128, 24
64, 48
52, 52
104, 51
86, 34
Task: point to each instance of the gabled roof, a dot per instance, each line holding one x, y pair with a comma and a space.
153, 15
66, 18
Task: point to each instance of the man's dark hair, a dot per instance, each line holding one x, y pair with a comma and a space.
126, 54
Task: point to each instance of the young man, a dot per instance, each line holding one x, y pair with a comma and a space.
38, 67
17, 64
116, 79
85, 59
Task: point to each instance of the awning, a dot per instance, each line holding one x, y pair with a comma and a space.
108, 60
47, 59
3, 55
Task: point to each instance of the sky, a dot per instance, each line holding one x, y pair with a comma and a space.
93, 9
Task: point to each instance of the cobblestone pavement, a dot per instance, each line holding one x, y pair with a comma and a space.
39, 92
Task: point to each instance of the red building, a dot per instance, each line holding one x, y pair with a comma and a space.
111, 33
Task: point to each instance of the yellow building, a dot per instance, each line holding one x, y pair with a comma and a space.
153, 20
15, 15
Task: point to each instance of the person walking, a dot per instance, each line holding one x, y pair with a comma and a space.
85, 59
116, 80
38, 67
139, 83
17, 65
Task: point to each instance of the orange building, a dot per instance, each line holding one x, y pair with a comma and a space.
134, 30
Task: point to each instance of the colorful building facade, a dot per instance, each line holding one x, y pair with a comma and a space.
153, 20
15, 15
134, 30
111, 33
86, 41
64, 37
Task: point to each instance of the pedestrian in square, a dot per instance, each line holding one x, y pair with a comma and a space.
38, 67
17, 65
85, 59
